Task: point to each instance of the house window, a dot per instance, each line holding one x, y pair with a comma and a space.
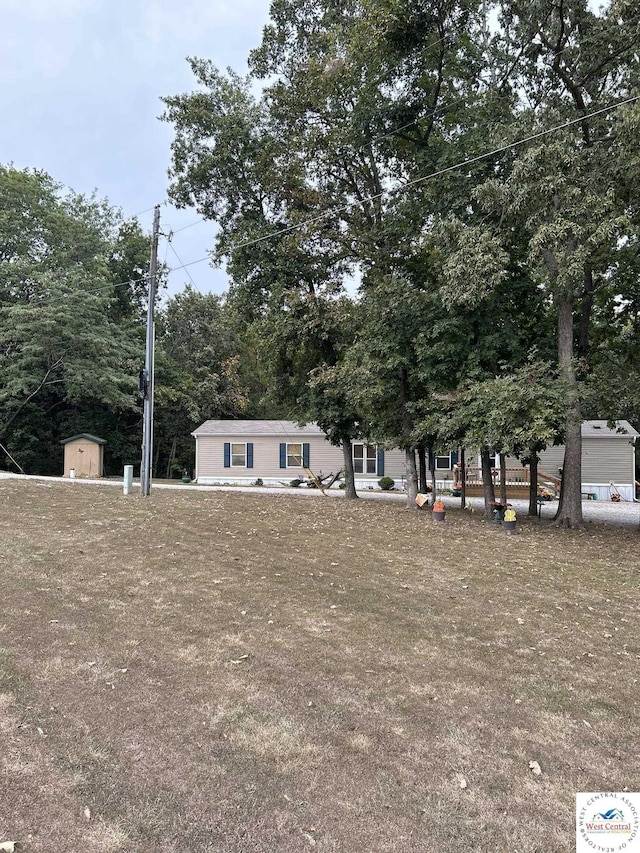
494, 460
294, 455
364, 459
238, 455
443, 463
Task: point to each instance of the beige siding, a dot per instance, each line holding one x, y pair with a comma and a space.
394, 464
324, 458
551, 460
85, 457
606, 460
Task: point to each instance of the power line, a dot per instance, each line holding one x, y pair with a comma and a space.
397, 190
427, 114
171, 246
460, 165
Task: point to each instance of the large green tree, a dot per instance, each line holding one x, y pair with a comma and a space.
60, 346
567, 63
198, 375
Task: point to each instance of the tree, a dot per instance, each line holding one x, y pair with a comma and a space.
518, 413
297, 179
198, 374
59, 345
566, 62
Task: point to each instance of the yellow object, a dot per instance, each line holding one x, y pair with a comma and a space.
509, 515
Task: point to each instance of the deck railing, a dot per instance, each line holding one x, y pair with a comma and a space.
514, 477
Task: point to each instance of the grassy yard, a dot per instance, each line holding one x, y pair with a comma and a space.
202, 671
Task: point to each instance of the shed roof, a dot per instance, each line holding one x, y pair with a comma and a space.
599, 429
283, 429
87, 436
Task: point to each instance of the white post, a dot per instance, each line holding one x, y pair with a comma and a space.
127, 483
72, 473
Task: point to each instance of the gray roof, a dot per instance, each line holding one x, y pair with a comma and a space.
87, 436
283, 429
599, 429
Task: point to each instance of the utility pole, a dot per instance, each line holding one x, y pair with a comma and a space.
147, 378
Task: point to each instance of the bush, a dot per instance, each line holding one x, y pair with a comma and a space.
259, 482
386, 483
295, 483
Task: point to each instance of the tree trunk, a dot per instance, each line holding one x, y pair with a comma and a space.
487, 483
172, 456
422, 470
412, 478
432, 472
349, 477
569, 512
410, 455
533, 481
585, 313
463, 479
503, 479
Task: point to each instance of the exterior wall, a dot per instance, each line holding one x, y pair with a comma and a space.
324, 459
605, 461
85, 457
552, 459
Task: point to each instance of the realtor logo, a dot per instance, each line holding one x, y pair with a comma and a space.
608, 822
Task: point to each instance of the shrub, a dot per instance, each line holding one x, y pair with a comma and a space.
295, 483
386, 483
259, 482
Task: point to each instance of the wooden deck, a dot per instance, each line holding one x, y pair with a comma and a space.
517, 482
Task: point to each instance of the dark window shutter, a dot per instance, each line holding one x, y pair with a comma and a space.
283, 455
249, 454
305, 455
454, 458
381, 463
227, 454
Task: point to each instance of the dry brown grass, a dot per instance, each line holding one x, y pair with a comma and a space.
231, 672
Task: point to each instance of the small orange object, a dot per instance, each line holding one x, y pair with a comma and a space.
438, 506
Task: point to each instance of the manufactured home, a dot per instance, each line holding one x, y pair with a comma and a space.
276, 452
240, 452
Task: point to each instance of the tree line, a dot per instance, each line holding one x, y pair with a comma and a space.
428, 213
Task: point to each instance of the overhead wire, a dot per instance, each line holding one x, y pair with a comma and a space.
430, 113
180, 261
415, 181
375, 196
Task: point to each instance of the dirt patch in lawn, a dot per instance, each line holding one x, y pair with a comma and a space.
200, 671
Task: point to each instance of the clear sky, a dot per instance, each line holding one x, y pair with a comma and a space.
80, 89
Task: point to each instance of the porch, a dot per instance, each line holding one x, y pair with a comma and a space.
517, 482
